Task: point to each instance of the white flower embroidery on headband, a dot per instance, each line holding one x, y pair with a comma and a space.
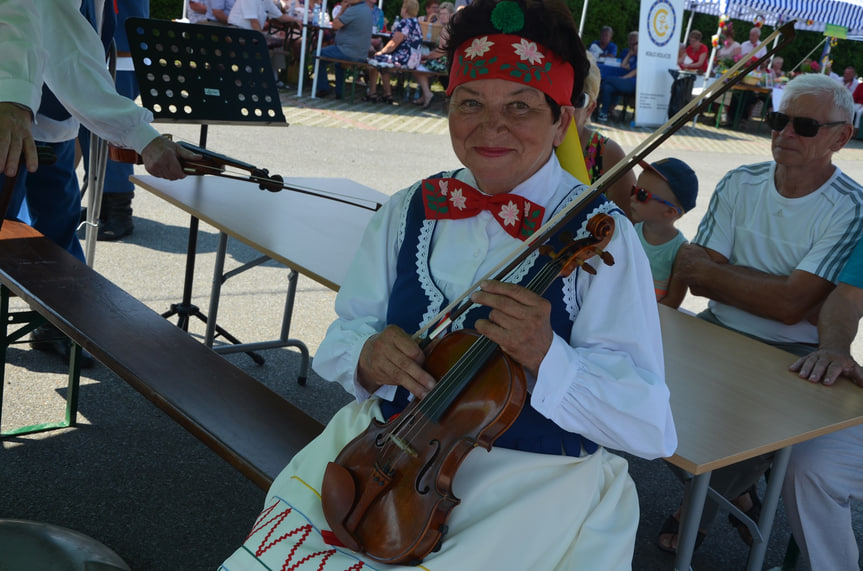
478, 47
528, 51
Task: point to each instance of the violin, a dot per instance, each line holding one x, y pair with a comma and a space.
388, 493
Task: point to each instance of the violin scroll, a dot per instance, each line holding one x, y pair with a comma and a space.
575, 253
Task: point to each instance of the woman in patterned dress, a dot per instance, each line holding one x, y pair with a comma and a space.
404, 50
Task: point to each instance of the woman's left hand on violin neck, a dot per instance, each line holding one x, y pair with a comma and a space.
519, 322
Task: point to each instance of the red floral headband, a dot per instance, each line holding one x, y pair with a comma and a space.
513, 58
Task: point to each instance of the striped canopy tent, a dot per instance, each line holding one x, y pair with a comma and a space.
811, 15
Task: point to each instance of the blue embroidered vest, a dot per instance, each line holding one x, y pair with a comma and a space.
411, 304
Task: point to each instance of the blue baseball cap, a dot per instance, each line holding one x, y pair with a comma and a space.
680, 178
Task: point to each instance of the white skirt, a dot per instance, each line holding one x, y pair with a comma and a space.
518, 511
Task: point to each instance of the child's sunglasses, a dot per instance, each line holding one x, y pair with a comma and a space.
644, 195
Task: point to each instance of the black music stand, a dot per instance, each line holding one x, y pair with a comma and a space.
207, 75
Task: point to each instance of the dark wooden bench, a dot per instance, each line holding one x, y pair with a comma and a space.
256, 430
352, 69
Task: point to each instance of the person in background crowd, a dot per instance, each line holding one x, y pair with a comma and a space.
693, 57
747, 48
775, 68
253, 14
403, 50
849, 79
195, 12
353, 36
432, 8
728, 48
603, 47
613, 87
218, 11
435, 60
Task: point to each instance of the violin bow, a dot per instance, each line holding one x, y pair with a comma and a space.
215, 164
556, 223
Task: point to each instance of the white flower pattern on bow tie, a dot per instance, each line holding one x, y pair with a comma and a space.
509, 213
457, 198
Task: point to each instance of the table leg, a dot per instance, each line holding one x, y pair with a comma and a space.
741, 102
768, 508
216, 289
690, 517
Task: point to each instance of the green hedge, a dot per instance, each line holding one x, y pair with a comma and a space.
166, 9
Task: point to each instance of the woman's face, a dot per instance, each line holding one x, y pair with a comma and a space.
444, 15
503, 131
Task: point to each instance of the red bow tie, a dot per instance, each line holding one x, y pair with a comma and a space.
449, 198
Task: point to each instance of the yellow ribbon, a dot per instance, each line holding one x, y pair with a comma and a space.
571, 155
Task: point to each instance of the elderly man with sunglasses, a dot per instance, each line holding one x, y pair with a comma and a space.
771, 245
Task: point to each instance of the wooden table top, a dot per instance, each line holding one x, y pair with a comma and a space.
313, 235
754, 88
734, 398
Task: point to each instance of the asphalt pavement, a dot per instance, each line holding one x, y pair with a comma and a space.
134, 480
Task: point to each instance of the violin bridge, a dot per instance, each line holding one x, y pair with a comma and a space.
404, 446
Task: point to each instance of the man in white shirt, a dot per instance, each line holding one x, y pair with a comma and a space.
747, 48
253, 14
849, 79
774, 239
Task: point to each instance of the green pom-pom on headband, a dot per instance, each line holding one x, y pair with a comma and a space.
507, 17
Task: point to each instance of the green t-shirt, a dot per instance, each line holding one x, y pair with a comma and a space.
661, 259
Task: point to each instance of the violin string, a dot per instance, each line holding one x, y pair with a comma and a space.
430, 406
435, 403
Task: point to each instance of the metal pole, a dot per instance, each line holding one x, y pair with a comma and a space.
98, 161
583, 15
302, 73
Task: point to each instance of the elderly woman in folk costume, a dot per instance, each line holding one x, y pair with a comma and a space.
589, 345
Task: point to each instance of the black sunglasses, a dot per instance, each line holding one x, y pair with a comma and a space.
803, 126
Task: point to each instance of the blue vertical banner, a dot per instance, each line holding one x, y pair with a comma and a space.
658, 47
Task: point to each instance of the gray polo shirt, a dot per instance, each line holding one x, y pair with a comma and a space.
355, 38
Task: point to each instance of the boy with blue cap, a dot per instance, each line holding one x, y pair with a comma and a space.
664, 191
